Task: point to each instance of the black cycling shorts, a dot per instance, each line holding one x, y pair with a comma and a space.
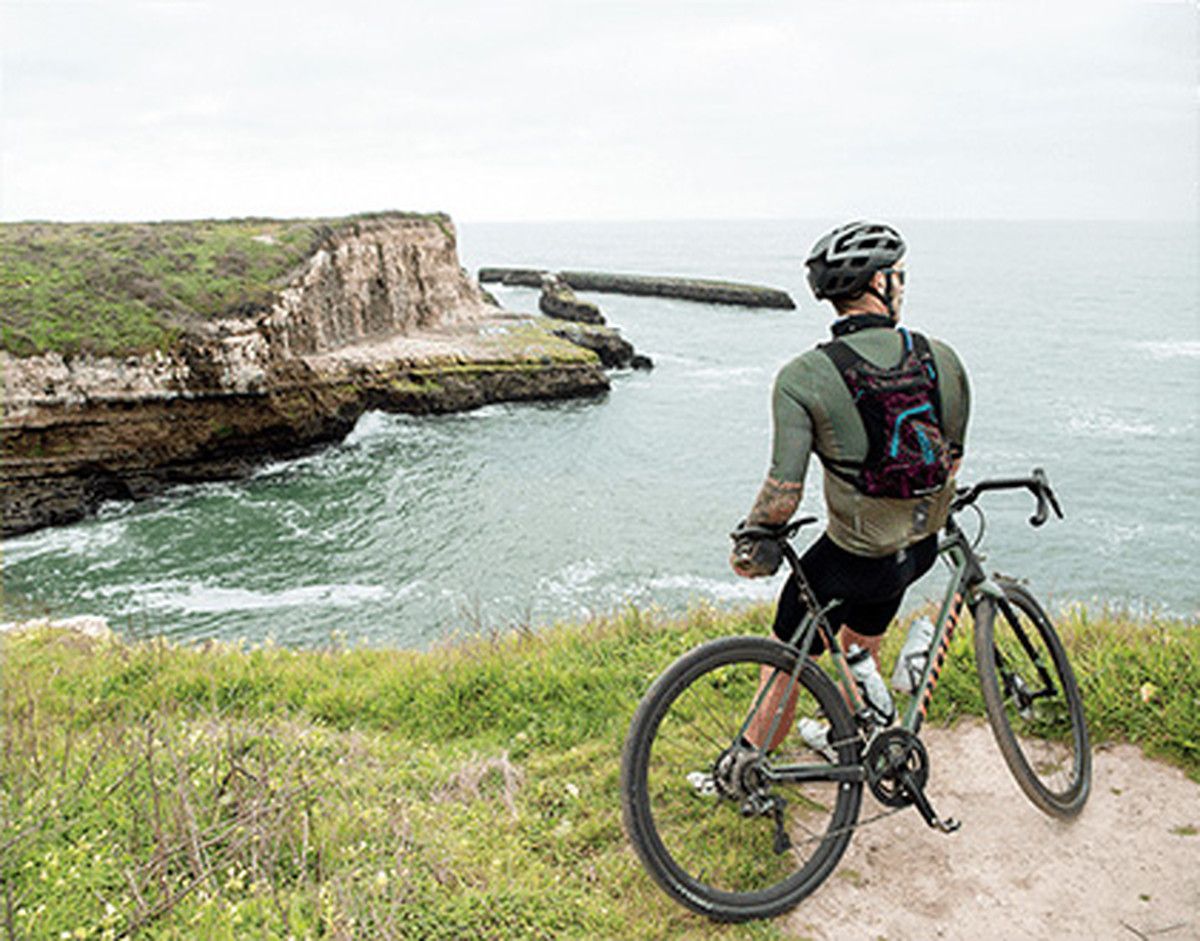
871, 588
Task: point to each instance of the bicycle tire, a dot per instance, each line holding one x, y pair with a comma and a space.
699, 849
1036, 712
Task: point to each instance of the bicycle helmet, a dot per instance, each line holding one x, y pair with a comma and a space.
842, 262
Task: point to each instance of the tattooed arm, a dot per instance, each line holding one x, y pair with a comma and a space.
780, 495
776, 502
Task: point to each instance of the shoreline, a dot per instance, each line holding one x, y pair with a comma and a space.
368, 312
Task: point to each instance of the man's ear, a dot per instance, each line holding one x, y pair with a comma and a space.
879, 281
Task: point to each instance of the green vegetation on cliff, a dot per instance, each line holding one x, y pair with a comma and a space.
167, 792
116, 288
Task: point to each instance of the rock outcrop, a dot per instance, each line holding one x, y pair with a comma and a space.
692, 289
559, 301
378, 316
615, 351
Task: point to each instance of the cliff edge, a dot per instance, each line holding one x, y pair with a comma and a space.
138, 356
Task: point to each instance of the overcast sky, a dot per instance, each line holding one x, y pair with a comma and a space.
599, 110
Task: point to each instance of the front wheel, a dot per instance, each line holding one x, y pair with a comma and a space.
1033, 702
726, 830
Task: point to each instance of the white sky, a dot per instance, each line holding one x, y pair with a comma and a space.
599, 110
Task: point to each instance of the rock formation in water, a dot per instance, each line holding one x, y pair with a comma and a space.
615, 351
375, 314
692, 289
559, 301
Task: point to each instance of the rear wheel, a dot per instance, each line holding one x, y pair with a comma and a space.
723, 829
1033, 702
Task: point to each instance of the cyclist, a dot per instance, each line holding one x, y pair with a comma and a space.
887, 489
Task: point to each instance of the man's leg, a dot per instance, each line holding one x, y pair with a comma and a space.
869, 642
760, 724
773, 701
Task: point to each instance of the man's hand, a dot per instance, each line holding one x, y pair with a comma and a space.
753, 557
776, 502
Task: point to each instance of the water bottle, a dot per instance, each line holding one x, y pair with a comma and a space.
913, 656
871, 684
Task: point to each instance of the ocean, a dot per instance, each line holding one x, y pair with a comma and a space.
1082, 340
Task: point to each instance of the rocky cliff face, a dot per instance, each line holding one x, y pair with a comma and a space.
380, 315
377, 279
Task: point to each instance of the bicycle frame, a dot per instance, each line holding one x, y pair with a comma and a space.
967, 583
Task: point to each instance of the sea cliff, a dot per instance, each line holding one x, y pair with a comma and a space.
138, 356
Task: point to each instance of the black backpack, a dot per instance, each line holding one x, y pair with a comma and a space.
907, 451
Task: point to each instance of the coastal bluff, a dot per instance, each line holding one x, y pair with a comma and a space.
137, 356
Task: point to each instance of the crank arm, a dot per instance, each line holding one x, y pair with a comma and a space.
942, 825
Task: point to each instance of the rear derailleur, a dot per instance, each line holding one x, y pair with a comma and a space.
738, 777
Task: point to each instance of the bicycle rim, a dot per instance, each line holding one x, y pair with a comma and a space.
1033, 702
699, 846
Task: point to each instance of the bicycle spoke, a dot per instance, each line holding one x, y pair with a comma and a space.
708, 833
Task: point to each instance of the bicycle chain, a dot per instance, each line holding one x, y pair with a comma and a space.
861, 822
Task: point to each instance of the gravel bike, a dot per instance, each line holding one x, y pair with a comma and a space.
772, 825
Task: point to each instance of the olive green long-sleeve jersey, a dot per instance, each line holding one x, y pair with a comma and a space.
813, 411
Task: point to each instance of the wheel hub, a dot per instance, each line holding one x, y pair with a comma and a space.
737, 773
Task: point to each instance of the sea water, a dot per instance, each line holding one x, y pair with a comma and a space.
1082, 340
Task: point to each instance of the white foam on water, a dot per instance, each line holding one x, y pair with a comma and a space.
571, 580
1170, 349
1102, 423
201, 598
370, 425
86, 540
741, 590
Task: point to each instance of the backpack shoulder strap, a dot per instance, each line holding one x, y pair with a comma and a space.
920, 346
844, 358
842, 354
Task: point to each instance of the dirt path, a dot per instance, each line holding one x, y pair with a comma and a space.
1128, 868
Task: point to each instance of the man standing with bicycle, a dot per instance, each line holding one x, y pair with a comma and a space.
885, 410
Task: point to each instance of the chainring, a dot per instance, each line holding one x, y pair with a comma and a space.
890, 754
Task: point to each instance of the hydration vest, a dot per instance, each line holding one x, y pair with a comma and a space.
907, 451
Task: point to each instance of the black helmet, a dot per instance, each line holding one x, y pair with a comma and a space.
842, 262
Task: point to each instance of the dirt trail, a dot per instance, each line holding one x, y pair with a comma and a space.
1127, 868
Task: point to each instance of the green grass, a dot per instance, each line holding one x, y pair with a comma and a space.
174, 792
118, 288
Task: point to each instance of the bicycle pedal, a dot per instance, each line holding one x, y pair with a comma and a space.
946, 824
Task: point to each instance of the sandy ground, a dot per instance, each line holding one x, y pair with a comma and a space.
1126, 868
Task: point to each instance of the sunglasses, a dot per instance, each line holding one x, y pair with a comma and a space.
900, 273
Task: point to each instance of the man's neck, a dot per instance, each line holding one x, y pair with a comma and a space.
865, 305
852, 323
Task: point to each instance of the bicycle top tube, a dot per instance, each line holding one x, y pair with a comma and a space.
955, 542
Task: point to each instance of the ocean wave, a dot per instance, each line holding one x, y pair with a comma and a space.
89, 539
370, 425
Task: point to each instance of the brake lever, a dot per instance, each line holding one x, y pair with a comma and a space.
1054, 501
1045, 498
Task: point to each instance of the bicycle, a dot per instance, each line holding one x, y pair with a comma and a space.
772, 826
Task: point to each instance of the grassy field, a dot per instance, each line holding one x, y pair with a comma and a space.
117, 288
156, 791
